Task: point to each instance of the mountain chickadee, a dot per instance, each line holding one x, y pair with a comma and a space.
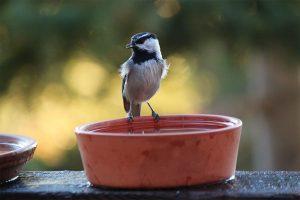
142, 73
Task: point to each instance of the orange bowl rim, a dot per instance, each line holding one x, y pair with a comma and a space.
236, 123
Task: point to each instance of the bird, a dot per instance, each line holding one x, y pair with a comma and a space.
141, 73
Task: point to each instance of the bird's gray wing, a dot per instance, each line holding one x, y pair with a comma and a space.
136, 108
126, 103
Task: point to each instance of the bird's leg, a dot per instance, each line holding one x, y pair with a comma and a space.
154, 114
130, 116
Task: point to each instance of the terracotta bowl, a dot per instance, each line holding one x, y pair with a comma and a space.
179, 150
15, 151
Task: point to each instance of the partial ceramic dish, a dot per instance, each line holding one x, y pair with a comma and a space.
178, 150
15, 151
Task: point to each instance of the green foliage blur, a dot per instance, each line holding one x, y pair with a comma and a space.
223, 39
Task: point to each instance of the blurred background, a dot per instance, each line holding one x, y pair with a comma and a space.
59, 64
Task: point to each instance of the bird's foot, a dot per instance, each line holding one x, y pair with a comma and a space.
130, 118
155, 116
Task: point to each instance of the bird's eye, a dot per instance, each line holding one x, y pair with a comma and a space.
139, 42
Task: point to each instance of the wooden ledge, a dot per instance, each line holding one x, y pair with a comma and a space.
74, 185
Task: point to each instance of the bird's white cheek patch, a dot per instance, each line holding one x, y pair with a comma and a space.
152, 45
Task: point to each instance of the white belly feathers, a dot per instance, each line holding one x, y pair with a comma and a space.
143, 80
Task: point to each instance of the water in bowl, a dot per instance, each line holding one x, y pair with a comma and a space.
164, 128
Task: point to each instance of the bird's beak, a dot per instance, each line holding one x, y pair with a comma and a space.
130, 45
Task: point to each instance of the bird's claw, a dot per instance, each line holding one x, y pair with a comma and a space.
130, 118
155, 116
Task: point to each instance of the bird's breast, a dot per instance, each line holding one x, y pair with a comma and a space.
144, 80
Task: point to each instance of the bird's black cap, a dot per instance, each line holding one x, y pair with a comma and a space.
143, 36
